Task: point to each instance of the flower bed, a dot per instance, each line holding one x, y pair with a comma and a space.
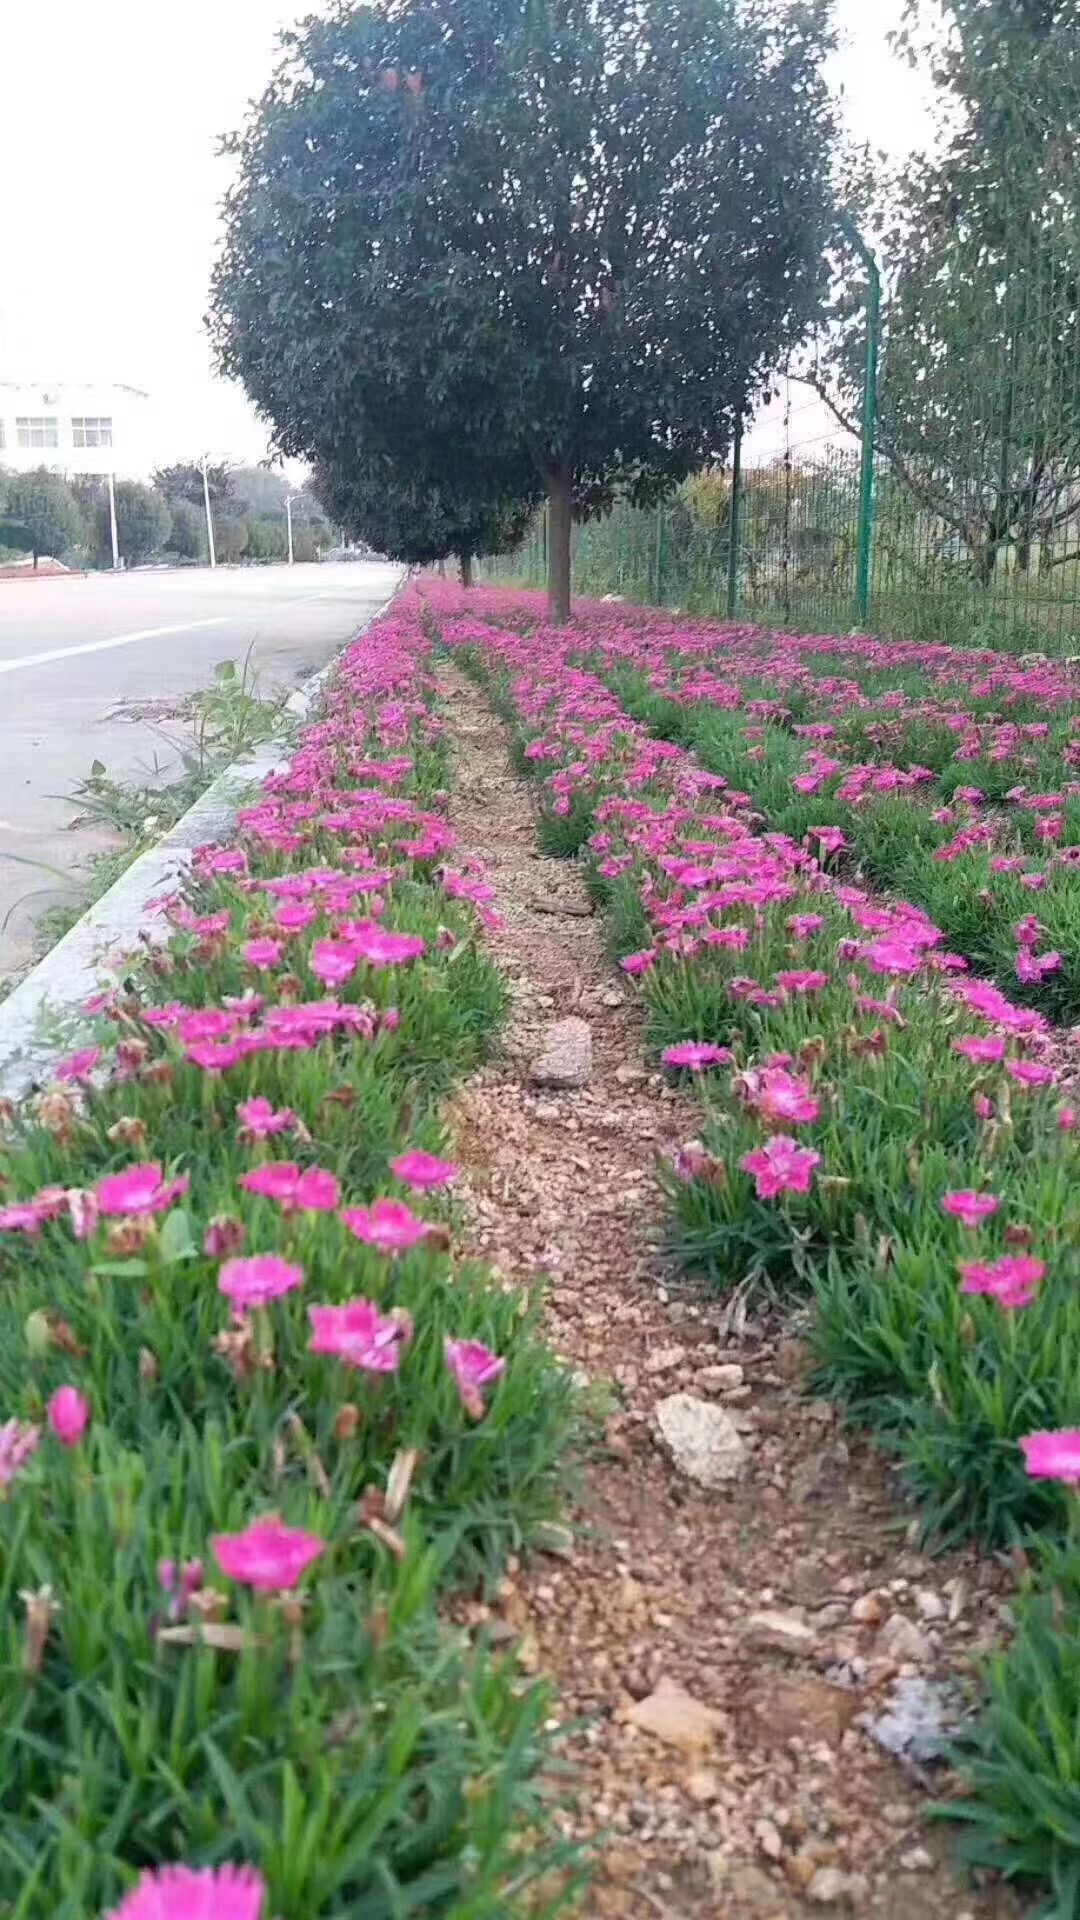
256, 1416
880, 1126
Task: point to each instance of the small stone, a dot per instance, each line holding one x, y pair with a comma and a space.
552, 1537
930, 1605
916, 1860
768, 1838
611, 998
803, 1707
664, 1359
703, 1785
900, 1639
720, 1379
868, 1610
774, 1631
703, 1441
676, 1718
565, 1060
829, 1886
628, 1076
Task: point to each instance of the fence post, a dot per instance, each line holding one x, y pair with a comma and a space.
864, 554
733, 527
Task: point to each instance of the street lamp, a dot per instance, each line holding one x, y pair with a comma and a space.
289, 498
113, 534
204, 463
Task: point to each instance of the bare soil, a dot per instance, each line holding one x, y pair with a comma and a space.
759, 1795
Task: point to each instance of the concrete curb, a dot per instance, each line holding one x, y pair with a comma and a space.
41, 1020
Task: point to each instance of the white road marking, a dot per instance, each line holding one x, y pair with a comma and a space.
104, 646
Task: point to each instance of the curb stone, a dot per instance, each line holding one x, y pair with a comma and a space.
41, 1020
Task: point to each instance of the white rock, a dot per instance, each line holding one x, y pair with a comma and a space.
565, 1059
902, 1640
663, 1359
829, 1886
703, 1441
720, 1379
930, 1605
774, 1631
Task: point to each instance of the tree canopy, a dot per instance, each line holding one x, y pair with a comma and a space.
143, 522
568, 235
39, 514
414, 515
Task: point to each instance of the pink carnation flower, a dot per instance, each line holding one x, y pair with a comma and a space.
262, 953
474, 1367
268, 1555
1029, 1073
782, 1096
419, 1169
387, 1224
981, 1047
360, 1335
79, 1066
333, 962
695, 1054
190, 1893
68, 1414
313, 1191
1011, 1281
802, 979
140, 1190
259, 1119
255, 1281
970, 1208
781, 1166
1053, 1456
379, 947
18, 1440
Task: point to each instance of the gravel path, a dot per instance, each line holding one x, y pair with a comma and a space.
723, 1646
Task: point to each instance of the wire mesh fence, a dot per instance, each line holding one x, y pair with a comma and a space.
973, 520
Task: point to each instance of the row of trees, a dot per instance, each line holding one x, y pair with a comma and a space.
480, 252
44, 513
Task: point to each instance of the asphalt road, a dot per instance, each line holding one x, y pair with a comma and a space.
73, 651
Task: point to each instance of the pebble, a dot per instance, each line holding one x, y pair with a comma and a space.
774, 1631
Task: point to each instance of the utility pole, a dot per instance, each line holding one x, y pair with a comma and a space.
864, 550
112, 520
289, 498
209, 515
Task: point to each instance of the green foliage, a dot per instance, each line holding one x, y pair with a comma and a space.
143, 523
571, 239
187, 532
184, 481
39, 514
420, 514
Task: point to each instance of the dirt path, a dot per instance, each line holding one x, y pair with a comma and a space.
782, 1607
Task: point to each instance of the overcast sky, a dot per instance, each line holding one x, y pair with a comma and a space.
112, 185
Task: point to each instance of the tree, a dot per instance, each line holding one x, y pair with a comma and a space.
979, 400
143, 522
184, 481
570, 235
413, 516
265, 539
39, 514
187, 535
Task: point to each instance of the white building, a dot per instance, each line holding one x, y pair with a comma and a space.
75, 427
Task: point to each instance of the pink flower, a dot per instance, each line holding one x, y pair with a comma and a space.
781, 1166
262, 953
360, 1335
1011, 1281
970, 1208
638, 962
803, 924
781, 1096
190, 1893
313, 1191
258, 1118
802, 979
1067, 1118
294, 916
474, 1367
22, 1216
893, 956
79, 1066
386, 1224
69, 1415
83, 1209
18, 1440
695, 1054
255, 1281
419, 1169
223, 1236
333, 962
981, 1047
140, 1190
1053, 1456
1029, 1073
829, 839
268, 1555
379, 947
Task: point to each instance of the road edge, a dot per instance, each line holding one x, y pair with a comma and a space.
41, 1019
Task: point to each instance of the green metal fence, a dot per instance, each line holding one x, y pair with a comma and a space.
949, 508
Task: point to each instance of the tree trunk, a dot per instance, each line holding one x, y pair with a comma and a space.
560, 518
35, 559
465, 563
